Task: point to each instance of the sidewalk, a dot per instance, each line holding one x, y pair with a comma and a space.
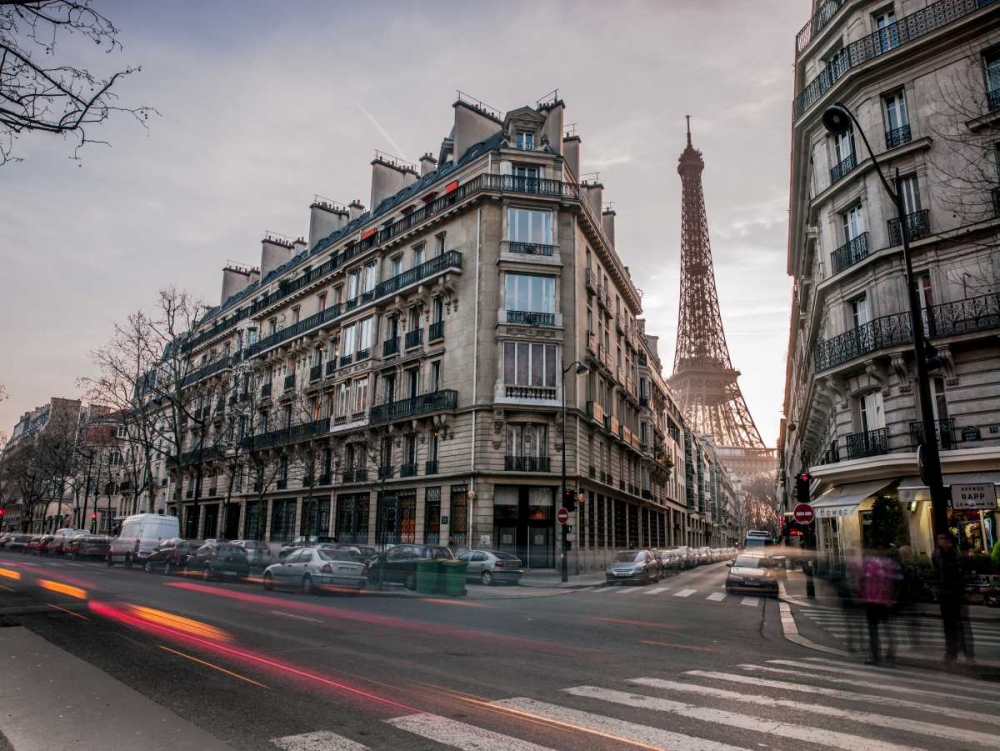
50, 699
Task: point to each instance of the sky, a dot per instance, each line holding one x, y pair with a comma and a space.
263, 105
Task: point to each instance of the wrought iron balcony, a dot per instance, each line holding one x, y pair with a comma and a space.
850, 253
281, 484
435, 331
417, 405
414, 338
315, 372
363, 354
390, 346
284, 436
530, 393
880, 333
527, 463
386, 472
529, 249
993, 99
647, 494
944, 431
832, 455
898, 136
848, 163
196, 456
531, 318
917, 226
324, 479
331, 366
431, 467
408, 470
590, 281
867, 443
358, 474
824, 13
210, 369
289, 381
346, 360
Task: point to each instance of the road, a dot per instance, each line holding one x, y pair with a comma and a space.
675, 665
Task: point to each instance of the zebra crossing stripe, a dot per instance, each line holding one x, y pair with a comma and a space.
751, 601
321, 740
610, 727
656, 590
833, 693
790, 730
866, 718
920, 679
935, 639
626, 590
923, 675
685, 593
459, 734
929, 625
716, 596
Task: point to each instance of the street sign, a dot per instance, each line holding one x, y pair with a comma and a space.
803, 513
562, 516
978, 496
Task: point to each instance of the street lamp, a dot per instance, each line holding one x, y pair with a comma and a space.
580, 370
837, 119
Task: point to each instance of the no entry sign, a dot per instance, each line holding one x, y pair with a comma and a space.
562, 516
803, 513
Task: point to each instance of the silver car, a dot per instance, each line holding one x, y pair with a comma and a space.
632, 566
258, 553
492, 567
314, 569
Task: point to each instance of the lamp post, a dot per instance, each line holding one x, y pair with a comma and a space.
837, 119
564, 562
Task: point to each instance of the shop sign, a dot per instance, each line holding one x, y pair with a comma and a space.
971, 433
834, 512
978, 496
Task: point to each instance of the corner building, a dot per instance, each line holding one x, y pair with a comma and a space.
418, 349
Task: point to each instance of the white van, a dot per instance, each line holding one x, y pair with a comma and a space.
139, 536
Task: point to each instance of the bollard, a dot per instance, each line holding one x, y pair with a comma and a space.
810, 587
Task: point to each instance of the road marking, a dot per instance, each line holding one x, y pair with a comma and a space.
656, 590
935, 639
610, 727
716, 596
925, 676
750, 601
685, 593
296, 617
868, 718
320, 740
75, 565
6, 589
213, 666
460, 735
677, 646
626, 590
921, 679
792, 730
70, 612
833, 693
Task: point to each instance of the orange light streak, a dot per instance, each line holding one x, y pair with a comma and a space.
6, 573
63, 589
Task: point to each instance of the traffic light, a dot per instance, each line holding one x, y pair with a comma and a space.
569, 500
802, 487
93, 517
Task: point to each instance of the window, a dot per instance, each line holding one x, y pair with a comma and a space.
272, 326
347, 341
859, 311
527, 439
410, 449
991, 69
385, 453
342, 393
525, 141
369, 276
388, 388
844, 145
418, 255
435, 376
894, 105
911, 194
888, 32
317, 356
437, 310
529, 364
296, 313
870, 411
396, 265
353, 284
321, 302
432, 516
392, 326
283, 469
412, 382
365, 334
286, 416
525, 173
528, 226
853, 222
283, 520
531, 293
360, 394
439, 242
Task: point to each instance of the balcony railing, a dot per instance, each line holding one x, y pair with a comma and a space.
868, 443
944, 431
431, 467
531, 318
917, 225
905, 30
315, 372
346, 360
529, 249
293, 434
363, 354
435, 331
281, 484
417, 405
527, 463
898, 136
824, 13
331, 365
530, 392
210, 369
386, 471
408, 470
852, 252
196, 456
390, 346
289, 381
414, 338
845, 165
590, 280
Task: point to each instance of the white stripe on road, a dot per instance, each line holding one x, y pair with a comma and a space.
611, 727
935, 639
458, 734
685, 593
298, 617
925, 675
925, 625
833, 693
751, 601
792, 730
868, 718
716, 596
921, 679
626, 590
656, 590
321, 740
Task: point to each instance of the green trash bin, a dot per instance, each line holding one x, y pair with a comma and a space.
454, 577
428, 573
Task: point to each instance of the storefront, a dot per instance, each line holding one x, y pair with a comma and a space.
972, 513
839, 518
524, 523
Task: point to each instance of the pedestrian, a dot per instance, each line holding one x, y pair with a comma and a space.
847, 580
451, 544
951, 595
878, 582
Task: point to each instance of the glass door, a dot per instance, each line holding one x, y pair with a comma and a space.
888, 31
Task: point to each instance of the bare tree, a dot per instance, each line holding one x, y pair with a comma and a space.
40, 92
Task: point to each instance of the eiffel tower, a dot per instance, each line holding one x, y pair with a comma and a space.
704, 379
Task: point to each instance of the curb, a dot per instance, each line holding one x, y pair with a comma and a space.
791, 632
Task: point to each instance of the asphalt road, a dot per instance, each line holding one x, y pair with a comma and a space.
674, 665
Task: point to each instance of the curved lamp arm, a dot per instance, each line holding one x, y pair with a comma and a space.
871, 152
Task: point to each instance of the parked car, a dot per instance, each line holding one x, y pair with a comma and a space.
19, 543
670, 561
139, 536
259, 554
41, 547
753, 573
217, 560
312, 569
304, 541
631, 566
492, 566
88, 546
61, 539
399, 563
684, 555
171, 555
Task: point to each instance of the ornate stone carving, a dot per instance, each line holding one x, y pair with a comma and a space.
898, 364
875, 374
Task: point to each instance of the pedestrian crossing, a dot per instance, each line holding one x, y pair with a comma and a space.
909, 632
683, 593
784, 703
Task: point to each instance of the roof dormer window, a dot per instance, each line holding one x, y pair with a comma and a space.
525, 140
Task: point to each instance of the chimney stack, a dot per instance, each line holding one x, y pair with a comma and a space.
608, 223
389, 176
235, 279
275, 250
325, 218
552, 128
427, 164
474, 122
355, 209
594, 193
571, 154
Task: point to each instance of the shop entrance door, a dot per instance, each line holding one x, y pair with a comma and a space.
211, 527
231, 523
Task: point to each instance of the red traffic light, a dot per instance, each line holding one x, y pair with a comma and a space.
805, 477
94, 516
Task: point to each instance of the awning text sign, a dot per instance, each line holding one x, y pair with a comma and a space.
972, 497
